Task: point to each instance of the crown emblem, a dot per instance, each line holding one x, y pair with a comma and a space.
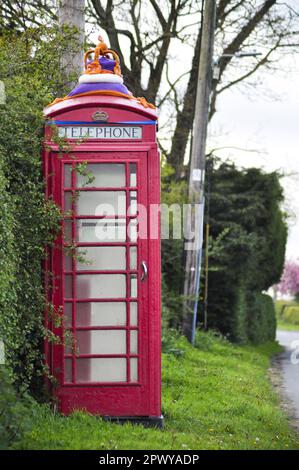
97, 65
100, 116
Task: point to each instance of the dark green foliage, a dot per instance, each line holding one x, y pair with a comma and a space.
15, 412
248, 238
261, 318
8, 298
173, 196
30, 70
248, 233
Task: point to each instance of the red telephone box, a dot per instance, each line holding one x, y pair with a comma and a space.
105, 265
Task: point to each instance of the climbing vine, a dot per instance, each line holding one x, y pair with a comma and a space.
29, 68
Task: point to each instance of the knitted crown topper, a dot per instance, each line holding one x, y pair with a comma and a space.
96, 65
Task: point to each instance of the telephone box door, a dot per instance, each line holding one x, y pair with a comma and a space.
102, 283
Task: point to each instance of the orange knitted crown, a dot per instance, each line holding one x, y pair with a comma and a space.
95, 66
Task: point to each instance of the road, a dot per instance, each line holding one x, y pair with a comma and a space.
289, 363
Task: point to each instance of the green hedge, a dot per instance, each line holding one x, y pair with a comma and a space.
8, 264
27, 222
291, 315
261, 318
15, 412
247, 248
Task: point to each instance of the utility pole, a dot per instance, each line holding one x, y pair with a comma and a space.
71, 15
194, 218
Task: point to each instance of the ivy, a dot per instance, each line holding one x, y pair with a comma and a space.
29, 68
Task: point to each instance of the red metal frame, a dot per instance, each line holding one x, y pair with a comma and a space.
141, 398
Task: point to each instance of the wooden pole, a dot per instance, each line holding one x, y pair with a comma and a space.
194, 218
206, 291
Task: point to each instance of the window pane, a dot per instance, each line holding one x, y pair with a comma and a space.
133, 203
109, 230
67, 176
68, 263
68, 230
102, 258
133, 342
68, 372
133, 257
133, 283
101, 342
132, 230
101, 314
68, 282
133, 174
68, 318
101, 370
103, 175
101, 286
101, 203
133, 313
134, 369
68, 199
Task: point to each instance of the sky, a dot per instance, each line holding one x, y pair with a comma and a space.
264, 128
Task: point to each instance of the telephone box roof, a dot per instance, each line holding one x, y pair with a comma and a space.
102, 77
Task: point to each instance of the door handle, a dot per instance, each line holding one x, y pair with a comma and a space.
144, 271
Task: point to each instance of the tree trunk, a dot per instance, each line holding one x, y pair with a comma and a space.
72, 21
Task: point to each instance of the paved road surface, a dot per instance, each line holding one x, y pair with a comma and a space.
290, 370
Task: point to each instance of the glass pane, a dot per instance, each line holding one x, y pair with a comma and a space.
132, 230
103, 175
101, 314
101, 342
112, 230
101, 370
101, 203
133, 342
102, 258
69, 342
68, 282
101, 286
67, 176
133, 174
68, 372
68, 318
134, 369
133, 313
133, 257
68, 201
133, 203
133, 283
68, 230
68, 263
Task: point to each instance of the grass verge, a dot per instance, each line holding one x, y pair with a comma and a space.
215, 396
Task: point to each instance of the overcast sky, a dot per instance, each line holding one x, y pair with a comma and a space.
269, 126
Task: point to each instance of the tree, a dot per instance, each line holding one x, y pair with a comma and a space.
146, 33
150, 39
289, 283
21, 14
248, 236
